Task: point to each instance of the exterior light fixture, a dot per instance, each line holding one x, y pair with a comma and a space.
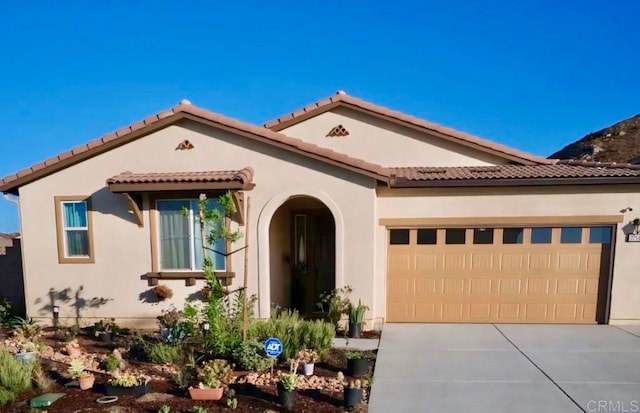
636, 225
56, 312
205, 327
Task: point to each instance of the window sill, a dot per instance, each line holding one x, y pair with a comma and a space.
190, 277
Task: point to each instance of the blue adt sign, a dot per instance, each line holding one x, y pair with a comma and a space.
273, 347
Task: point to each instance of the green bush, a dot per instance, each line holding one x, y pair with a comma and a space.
249, 355
15, 377
112, 363
5, 310
295, 333
164, 353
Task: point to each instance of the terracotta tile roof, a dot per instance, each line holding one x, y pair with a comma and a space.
185, 110
342, 99
243, 176
563, 172
12, 235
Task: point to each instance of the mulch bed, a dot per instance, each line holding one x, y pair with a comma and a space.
251, 398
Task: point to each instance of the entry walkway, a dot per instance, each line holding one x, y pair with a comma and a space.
510, 368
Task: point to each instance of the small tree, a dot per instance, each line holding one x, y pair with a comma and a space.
224, 310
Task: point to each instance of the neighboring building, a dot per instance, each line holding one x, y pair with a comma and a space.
11, 283
427, 224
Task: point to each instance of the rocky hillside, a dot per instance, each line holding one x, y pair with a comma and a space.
617, 143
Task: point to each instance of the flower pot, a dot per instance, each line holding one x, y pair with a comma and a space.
86, 382
105, 337
352, 396
355, 330
307, 368
357, 367
73, 351
286, 398
27, 356
206, 394
136, 391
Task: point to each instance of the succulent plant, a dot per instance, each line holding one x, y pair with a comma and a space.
77, 370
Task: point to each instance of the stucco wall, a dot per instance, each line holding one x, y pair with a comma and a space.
112, 286
561, 201
386, 143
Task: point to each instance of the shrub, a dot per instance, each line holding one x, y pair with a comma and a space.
164, 409
170, 317
41, 379
5, 310
112, 363
335, 303
295, 334
249, 355
164, 353
15, 377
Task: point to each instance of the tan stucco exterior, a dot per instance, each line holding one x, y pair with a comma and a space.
122, 248
386, 143
113, 285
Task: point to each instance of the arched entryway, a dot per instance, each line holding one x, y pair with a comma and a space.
302, 253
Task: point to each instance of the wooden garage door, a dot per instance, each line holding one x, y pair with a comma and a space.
507, 275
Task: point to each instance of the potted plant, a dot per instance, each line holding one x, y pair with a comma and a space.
105, 329
73, 348
128, 384
168, 321
356, 318
357, 363
164, 292
213, 376
27, 351
308, 358
77, 372
287, 384
352, 391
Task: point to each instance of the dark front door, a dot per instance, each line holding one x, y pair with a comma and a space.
313, 255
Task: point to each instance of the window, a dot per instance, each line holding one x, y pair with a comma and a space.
483, 235
455, 236
541, 235
600, 235
512, 235
399, 237
427, 236
571, 235
180, 240
73, 227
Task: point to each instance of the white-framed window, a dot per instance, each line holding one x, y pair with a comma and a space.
75, 226
180, 243
73, 222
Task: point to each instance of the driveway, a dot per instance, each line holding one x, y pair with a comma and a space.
511, 368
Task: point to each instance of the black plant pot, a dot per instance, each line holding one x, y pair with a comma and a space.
105, 337
357, 367
286, 398
136, 391
352, 396
355, 329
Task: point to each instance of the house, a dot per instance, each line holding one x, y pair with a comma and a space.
11, 284
428, 224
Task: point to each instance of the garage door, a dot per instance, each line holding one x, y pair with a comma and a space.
507, 275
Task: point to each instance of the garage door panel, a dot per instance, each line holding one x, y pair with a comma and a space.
510, 283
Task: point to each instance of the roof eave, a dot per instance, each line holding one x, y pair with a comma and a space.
471, 183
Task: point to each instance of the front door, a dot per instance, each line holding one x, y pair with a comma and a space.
313, 258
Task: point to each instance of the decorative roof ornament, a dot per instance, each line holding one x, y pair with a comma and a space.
184, 145
338, 131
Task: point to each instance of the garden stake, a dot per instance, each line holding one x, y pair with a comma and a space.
245, 317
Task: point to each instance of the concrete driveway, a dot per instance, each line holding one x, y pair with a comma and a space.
507, 368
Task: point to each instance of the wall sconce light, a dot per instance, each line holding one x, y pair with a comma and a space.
56, 312
636, 225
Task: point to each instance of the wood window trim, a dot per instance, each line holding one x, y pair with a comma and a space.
190, 277
502, 221
62, 258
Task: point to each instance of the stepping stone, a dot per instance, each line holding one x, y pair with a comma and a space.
45, 400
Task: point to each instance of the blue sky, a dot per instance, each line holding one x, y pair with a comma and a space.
534, 75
